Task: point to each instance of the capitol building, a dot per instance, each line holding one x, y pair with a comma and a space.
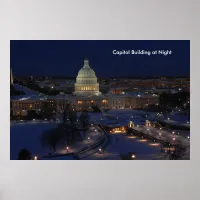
86, 95
86, 81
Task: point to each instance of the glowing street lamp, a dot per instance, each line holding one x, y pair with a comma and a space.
67, 148
133, 156
35, 157
100, 150
188, 137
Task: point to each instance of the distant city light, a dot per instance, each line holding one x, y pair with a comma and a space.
35, 157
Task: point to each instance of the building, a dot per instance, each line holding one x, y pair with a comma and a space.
85, 96
86, 81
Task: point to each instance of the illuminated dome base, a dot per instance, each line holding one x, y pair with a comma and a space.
86, 81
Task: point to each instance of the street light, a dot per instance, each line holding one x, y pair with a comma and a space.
100, 150
35, 157
133, 156
67, 148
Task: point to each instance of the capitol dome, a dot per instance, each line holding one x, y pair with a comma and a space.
86, 72
86, 81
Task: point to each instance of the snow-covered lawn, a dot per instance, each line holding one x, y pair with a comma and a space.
121, 144
27, 135
175, 118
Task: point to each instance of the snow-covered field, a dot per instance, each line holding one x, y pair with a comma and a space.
175, 118
122, 145
27, 135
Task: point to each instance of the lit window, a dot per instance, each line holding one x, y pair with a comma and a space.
80, 102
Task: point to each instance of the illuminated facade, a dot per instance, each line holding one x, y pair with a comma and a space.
80, 103
86, 81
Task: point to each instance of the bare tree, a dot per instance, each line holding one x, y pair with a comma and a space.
52, 137
84, 119
68, 114
70, 131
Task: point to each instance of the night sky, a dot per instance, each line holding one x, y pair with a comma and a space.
65, 58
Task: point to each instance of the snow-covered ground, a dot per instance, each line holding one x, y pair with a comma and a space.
121, 144
27, 135
175, 118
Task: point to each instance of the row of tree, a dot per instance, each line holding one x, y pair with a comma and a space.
70, 130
